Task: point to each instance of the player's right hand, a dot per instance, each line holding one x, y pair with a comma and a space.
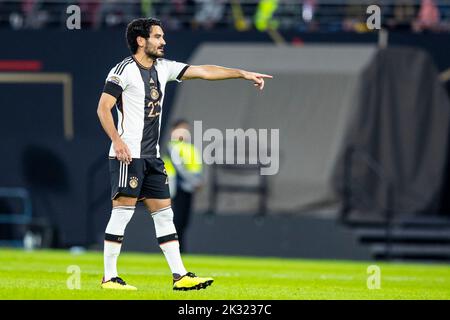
122, 152
257, 78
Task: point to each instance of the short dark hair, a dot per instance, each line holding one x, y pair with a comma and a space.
179, 122
140, 28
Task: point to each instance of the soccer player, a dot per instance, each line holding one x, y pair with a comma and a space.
136, 87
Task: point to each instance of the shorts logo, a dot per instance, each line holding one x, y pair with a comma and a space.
167, 180
133, 182
154, 94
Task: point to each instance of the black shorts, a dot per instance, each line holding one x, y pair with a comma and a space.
142, 178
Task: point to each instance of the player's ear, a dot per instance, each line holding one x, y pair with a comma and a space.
140, 41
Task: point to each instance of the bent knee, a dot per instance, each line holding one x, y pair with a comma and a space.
154, 205
124, 201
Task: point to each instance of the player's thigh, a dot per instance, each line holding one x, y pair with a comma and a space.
126, 181
155, 187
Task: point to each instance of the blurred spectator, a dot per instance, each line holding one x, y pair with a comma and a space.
355, 18
309, 12
208, 13
428, 18
89, 14
35, 16
175, 14
403, 15
13, 14
38, 14
264, 16
304, 16
147, 8
117, 12
240, 22
290, 13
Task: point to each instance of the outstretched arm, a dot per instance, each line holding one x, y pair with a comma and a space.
210, 72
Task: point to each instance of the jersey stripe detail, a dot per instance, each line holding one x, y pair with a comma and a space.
180, 75
117, 66
121, 63
119, 72
123, 175
120, 174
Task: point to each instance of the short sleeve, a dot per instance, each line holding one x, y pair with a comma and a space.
175, 70
116, 81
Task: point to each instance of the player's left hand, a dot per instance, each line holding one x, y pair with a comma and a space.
257, 78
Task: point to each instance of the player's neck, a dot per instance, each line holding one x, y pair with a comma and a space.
143, 59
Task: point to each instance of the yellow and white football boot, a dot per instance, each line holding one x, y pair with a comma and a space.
116, 284
191, 282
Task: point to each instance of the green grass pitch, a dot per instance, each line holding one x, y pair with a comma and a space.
44, 275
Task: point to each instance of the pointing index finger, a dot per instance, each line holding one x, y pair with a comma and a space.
262, 75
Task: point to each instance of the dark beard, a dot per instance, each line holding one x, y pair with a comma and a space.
153, 54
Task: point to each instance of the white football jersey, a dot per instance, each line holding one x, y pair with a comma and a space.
140, 95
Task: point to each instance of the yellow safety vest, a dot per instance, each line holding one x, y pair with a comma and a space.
192, 159
264, 14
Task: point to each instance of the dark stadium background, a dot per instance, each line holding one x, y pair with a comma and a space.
63, 175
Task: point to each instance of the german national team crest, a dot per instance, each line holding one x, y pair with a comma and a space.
154, 93
133, 182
